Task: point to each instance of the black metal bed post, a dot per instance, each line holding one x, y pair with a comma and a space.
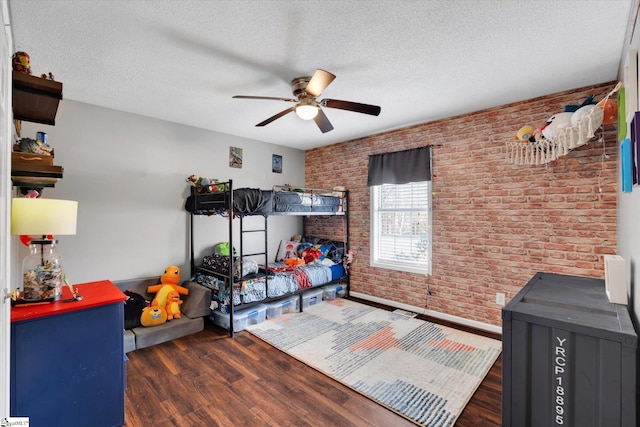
266, 257
193, 263
232, 260
345, 208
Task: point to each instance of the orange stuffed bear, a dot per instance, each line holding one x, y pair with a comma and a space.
152, 316
168, 292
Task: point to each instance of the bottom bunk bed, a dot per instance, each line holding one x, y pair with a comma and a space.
299, 267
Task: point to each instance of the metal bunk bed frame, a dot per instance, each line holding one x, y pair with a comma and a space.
229, 279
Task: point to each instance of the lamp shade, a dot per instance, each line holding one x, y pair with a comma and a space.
43, 216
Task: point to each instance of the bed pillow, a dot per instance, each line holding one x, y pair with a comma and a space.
320, 251
301, 247
287, 249
336, 251
325, 250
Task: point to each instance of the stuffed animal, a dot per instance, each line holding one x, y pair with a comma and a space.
573, 108
171, 276
21, 62
525, 134
152, 316
206, 185
169, 300
349, 258
170, 279
556, 124
311, 254
588, 112
196, 182
28, 145
610, 109
537, 135
293, 261
173, 305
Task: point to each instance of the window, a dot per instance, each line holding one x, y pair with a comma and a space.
401, 226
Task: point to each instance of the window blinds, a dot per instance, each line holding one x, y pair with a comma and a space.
402, 223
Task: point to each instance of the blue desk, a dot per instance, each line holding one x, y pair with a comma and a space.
67, 359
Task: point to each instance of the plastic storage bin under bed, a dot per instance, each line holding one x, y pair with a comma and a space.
288, 305
311, 297
241, 318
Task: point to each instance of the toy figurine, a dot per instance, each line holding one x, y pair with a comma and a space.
21, 62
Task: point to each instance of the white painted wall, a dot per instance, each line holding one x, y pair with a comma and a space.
629, 203
629, 245
128, 174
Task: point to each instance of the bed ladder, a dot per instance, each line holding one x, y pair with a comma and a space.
244, 232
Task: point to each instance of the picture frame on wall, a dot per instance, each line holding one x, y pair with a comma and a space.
235, 157
276, 163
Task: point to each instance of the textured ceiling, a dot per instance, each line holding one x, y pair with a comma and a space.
420, 61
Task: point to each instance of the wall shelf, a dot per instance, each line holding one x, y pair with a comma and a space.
36, 175
35, 99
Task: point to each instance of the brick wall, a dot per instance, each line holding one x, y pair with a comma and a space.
495, 224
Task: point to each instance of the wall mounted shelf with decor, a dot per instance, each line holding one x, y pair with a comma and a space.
34, 174
563, 132
34, 170
35, 100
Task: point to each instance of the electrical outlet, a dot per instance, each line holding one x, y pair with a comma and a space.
500, 298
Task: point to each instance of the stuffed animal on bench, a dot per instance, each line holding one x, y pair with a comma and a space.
168, 292
153, 316
168, 299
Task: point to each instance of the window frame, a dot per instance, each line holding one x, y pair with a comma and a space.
374, 234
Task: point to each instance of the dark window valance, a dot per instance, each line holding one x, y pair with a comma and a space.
400, 167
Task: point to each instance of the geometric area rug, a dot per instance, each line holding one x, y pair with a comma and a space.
421, 370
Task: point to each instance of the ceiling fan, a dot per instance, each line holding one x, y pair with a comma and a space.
306, 90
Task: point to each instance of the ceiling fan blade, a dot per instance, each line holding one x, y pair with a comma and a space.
277, 116
373, 110
273, 98
322, 121
319, 82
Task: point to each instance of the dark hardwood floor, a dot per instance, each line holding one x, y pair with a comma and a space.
209, 379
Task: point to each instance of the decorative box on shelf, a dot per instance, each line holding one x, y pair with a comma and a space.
19, 159
38, 172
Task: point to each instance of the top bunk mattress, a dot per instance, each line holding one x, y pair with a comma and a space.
253, 201
292, 201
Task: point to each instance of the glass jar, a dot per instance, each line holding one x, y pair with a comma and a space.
42, 272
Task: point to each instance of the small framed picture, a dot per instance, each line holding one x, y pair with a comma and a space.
276, 164
235, 157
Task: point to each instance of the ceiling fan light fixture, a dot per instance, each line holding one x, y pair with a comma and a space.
307, 111
306, 91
